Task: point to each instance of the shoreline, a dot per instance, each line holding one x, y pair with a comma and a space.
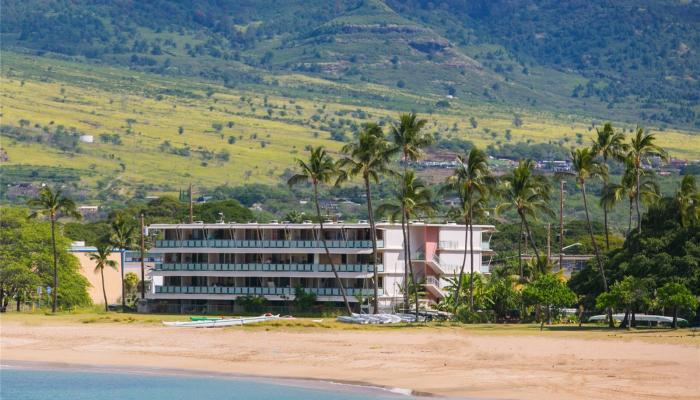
354, 387
453, 362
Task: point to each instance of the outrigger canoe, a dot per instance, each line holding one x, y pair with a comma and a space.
219, 322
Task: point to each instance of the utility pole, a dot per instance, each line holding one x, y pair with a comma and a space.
549, 242
191, 219
143, 268
561, 224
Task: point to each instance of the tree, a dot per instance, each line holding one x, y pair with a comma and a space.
320, 168
368, 157
123, 238
688, 201
408, 142
677, 297
528, 195
550, 291
17, 280
24, 254
585, 166
101, 259
616, 192
609, 145
642, 147
411, 198
469, 180
53, 204
131, 283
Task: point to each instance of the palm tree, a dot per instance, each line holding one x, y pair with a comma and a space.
528, 195
122, 238
368, 157
609, 145
688, 201
101, 259
469, 180
641, 147
52, 204
320, 168
412, 198
409, 142
585, 166
627, 187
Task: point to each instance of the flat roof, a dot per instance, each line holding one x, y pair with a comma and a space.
284, 225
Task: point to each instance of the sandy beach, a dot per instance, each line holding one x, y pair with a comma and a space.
446, 361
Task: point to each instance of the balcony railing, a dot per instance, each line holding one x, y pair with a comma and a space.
260, 291
263, 267
431, 280
272, 244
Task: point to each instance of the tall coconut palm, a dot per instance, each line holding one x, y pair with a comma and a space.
609, 145
469, 180
123, 238
412, 198
408, 138
101, 259
528, 195
627, 188
641, 147
320, 168
367, 157
688, 200
585, 166
409, 142
52, 204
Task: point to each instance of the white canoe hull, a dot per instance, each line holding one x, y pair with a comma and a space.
221, 322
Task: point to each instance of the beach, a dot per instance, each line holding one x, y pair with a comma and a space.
481, 362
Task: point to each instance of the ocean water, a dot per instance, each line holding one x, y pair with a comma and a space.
71, 384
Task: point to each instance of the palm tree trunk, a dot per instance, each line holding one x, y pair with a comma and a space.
611, 323
607, 231
529, 234
590, 231
406, 259
458, 289
121, 267
410, 265
629, 222
104, 291
328, 253
471, 260
638, 196
373, 235
55, 262
520, 251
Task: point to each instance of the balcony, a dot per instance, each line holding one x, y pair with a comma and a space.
268, 244
260, 291
263, 267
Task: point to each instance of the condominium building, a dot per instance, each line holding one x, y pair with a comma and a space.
206, 267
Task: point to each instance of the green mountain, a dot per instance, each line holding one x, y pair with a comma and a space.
612, 59
226, 92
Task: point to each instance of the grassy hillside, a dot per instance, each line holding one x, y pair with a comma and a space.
162, 132
601, 59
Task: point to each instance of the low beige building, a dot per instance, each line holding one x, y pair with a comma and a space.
113, 285
132, 263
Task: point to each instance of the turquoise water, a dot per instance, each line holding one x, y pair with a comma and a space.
37, 384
